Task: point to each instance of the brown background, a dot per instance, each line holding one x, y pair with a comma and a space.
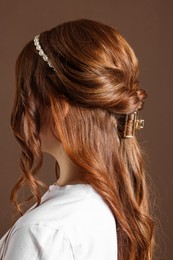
147, 25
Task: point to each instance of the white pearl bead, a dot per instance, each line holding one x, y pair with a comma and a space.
41, 52
38, 47
45, 58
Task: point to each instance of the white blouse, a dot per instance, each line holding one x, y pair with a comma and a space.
72, 222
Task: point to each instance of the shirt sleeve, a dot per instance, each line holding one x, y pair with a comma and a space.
39, 242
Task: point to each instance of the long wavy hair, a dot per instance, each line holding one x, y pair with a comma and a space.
94, 87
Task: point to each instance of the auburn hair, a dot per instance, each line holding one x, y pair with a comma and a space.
95, 85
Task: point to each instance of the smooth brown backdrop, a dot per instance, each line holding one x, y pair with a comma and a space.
147, 25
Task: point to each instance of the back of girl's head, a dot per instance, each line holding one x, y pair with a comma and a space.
85, 98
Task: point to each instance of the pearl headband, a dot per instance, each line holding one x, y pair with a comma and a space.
41, 52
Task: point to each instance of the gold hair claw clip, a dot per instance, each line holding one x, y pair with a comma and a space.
132, 123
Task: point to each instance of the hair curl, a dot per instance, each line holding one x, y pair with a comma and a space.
96, 84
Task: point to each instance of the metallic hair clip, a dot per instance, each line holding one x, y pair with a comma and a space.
135, 124
41, 52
